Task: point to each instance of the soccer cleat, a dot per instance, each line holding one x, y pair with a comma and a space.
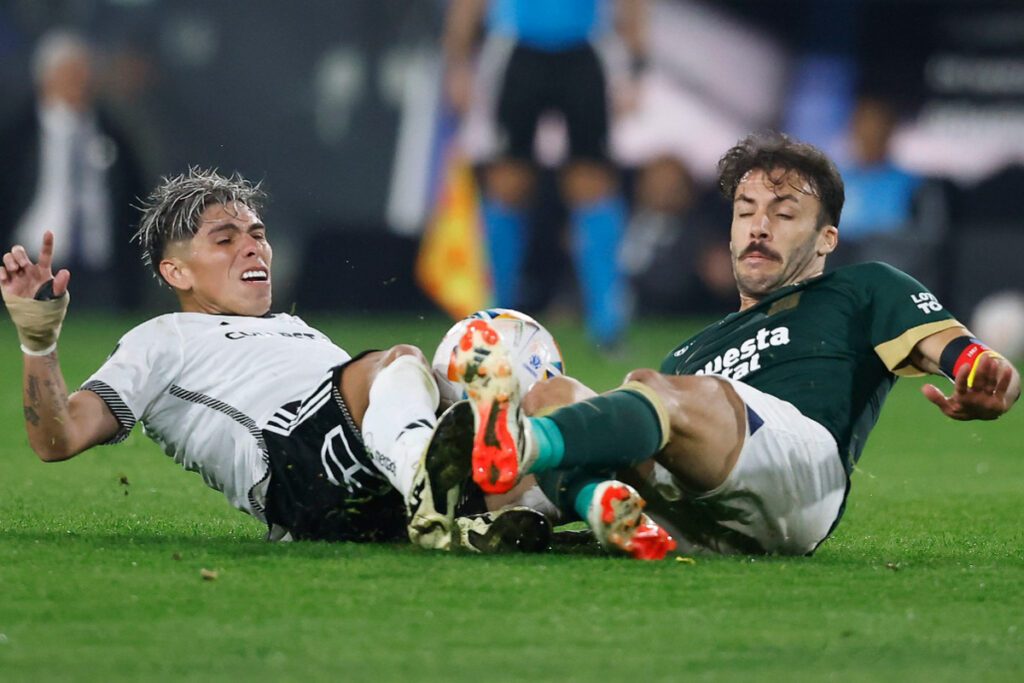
511, 530
616, 516
501, 449
438, 479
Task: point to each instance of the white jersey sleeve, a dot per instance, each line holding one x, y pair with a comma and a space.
138, 370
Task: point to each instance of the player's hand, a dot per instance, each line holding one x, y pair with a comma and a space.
21, 277
989, 395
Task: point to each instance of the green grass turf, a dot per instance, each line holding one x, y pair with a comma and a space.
100, 562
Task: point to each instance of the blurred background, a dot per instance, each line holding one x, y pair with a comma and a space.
340, 108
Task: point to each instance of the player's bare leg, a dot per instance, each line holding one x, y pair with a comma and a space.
707, 422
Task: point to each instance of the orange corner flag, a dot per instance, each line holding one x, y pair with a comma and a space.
451, 266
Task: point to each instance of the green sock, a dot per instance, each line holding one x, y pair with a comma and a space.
618, 429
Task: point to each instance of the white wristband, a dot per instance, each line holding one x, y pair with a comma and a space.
45, 352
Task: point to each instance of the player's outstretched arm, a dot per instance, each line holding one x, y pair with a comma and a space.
985, 384
58, 426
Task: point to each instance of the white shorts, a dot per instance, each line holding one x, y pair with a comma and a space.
783, 496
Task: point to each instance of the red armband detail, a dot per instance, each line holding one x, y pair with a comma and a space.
968, 357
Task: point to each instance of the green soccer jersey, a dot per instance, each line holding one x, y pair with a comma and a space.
832, 346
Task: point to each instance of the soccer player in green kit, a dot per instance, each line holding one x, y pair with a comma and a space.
745, 439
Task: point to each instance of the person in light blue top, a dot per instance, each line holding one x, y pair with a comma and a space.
879, 194
550, 64
546, 25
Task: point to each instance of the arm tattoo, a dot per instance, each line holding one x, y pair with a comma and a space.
57, 394
32, 390
31, 416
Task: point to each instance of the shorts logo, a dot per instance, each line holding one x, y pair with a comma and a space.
927, 302
740, 361
383, 462
340, 464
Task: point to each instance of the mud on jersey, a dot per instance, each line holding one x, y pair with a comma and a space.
832, 346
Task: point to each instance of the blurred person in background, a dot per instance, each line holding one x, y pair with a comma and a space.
879, 193
891, 214
540, 58
69, 169
672, 249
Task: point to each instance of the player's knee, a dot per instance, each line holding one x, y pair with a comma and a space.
684, 397
662, 386
399, 350
700, 401
510, 182
546, 395
587, 181
645, 376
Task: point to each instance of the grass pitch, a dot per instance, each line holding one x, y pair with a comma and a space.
102, 564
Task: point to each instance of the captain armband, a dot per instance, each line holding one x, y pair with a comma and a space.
963, 351
38, 320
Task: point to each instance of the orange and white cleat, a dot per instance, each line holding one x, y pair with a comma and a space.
618, 521
502, 448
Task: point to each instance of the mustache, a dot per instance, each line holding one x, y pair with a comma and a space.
761, 248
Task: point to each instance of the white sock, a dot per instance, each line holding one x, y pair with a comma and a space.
400, 419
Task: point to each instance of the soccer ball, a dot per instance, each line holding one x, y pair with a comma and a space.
998, 320
532, 349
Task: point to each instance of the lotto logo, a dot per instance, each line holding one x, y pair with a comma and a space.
927, 302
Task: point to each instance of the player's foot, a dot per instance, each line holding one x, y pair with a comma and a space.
439, 477
616, 516
502, 448
511, 530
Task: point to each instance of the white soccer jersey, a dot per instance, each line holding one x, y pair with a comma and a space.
203, 386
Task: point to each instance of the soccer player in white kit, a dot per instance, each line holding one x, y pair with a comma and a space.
268, 410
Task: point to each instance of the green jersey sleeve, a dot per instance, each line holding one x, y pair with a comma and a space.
900, 313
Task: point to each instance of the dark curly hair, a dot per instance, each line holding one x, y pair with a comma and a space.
774, 151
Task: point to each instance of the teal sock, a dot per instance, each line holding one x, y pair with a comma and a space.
564, 488
583, 498
550, 444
